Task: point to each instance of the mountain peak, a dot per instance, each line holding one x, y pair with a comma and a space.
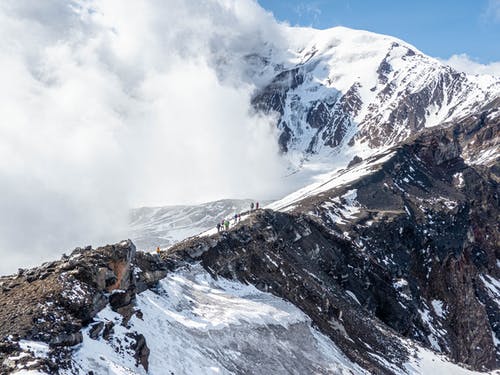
325, 39
337, 88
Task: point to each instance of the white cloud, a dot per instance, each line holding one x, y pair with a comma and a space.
108, 104
308, 12
493, 10
464, 63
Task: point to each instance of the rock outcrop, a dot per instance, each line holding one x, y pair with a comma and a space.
52, 304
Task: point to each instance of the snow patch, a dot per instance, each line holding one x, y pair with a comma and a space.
39, 349
353, 296
333, 180
426, 362
435, 332
437, 305
493, 287
459, 178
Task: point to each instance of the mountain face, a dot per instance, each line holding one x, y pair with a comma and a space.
404, 243
340, 88
151, 227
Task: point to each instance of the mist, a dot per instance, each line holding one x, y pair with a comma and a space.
108, 105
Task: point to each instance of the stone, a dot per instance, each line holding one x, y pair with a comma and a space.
95, 330
67, 339
141, 351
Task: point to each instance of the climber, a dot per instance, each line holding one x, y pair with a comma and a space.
226, 224
257, 205
235, 218
158, 250
218, 227
251, 206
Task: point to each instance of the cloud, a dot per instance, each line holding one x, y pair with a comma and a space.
493, 10
310, 11
109, 104
464, 63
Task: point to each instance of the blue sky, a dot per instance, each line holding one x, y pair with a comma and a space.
440, 28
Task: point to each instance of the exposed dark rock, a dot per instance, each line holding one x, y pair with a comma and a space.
108, 330
355, 160
383, 70
54, 302
9, 347
284, 138
139, 314
141, 351
120, 298
150, 269
96, 330
319, 115
272, 98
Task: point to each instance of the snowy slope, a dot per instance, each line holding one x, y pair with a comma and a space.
427, 362
194, 324
332, 180
164, 226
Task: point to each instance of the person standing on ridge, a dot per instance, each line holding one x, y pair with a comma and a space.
251, 206
235, 218
218, 227
226, 224
257, 205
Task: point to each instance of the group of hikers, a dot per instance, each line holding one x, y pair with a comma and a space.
224, 224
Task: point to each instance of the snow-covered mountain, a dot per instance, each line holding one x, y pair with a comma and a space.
343, 91
387, 265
